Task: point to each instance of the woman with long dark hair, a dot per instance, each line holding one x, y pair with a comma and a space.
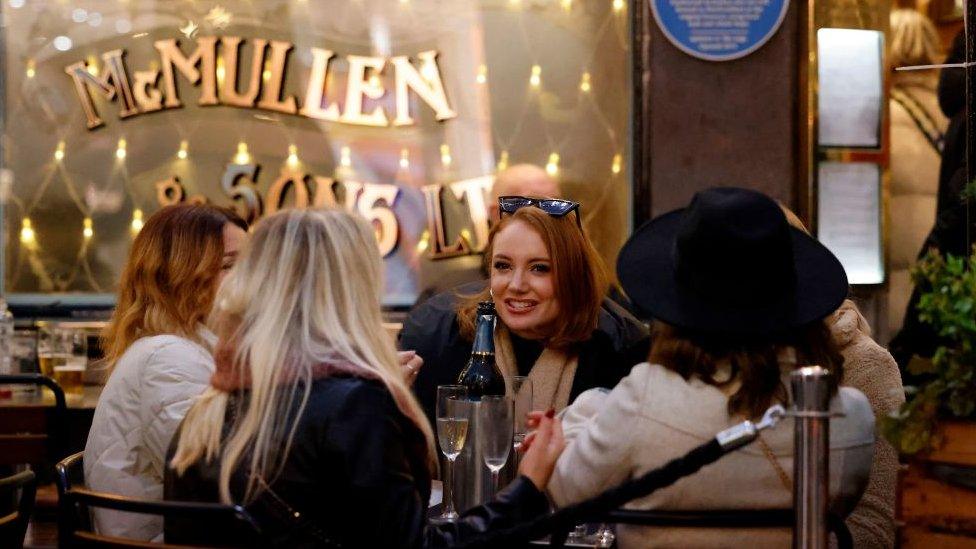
739, 297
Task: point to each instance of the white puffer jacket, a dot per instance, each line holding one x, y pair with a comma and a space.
150, 390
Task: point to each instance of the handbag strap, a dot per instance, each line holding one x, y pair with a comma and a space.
780, 472
922, 119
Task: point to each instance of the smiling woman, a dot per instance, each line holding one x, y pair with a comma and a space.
555, 325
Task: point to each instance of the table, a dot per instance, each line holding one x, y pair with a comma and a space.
44, 397
80, 412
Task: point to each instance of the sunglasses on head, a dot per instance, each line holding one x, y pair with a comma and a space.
555, 207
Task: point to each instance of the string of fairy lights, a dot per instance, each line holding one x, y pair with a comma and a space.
504, 141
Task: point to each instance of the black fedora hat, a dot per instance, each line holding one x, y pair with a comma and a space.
730, 263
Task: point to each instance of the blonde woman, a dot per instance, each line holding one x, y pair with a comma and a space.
158, 350
918, 127
308, 420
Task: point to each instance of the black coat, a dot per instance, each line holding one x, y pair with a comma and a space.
955, 223
356, 473
619, 342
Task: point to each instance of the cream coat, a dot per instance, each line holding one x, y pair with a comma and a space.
913, 189
149, 391
869, 368
654, 415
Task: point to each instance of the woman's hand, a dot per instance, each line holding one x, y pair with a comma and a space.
542, 448
411, 362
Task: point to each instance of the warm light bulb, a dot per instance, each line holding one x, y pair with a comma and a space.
184, 150
374, 81
242, 156
92, 65
87, 232
424, 242
446, 155
136, 221
266, 75
482, 74
292, 156
344, 157
536, 77
567, 4
30, 68
585, 83
617, 165
503, 161
618, 5
120, 150
404, 159
27, 232
552, 167
59, 153
221, 71
515, 3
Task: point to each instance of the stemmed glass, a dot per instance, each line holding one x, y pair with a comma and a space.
522, 394
452, 432
495, 434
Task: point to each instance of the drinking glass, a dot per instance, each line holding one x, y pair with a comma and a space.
495, 434
452, 432
70, 374
52, 348
522, 395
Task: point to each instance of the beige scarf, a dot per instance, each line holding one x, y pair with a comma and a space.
552, 374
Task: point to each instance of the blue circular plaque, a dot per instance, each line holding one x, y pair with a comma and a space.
719, 30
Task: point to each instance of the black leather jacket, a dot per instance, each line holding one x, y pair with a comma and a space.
618, 343
357, 475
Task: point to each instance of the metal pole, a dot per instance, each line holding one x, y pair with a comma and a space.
970, 23
811, 397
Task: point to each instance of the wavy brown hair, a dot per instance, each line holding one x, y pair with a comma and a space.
579, 275
170, 278
755, 363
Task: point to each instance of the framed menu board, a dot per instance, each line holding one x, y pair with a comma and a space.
849, 218
850, 95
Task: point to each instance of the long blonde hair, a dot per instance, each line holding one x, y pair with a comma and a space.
170, 276
305, 291
914, 39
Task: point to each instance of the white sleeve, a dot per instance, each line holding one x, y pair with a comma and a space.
173, 376
598, 453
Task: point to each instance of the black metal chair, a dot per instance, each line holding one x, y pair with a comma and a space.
33, 434
74, 519
765, 518
13, 525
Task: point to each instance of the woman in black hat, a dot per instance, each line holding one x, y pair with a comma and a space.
739, 297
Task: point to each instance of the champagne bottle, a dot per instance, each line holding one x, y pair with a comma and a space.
481, 375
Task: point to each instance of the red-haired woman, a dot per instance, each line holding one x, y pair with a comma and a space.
158, 349
555, 326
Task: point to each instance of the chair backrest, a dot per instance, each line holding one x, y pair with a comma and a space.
75, 528
13, 525
735, 518
33, 432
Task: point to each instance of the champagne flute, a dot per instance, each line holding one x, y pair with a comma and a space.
495, 434
522, 394
452, 432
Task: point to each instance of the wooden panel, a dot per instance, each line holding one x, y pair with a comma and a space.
922, 538
959, 443
23, 419
18, 449
924, 499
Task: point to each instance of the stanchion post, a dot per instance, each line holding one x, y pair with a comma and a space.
811, 397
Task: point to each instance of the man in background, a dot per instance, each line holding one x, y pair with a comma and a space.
521, 180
